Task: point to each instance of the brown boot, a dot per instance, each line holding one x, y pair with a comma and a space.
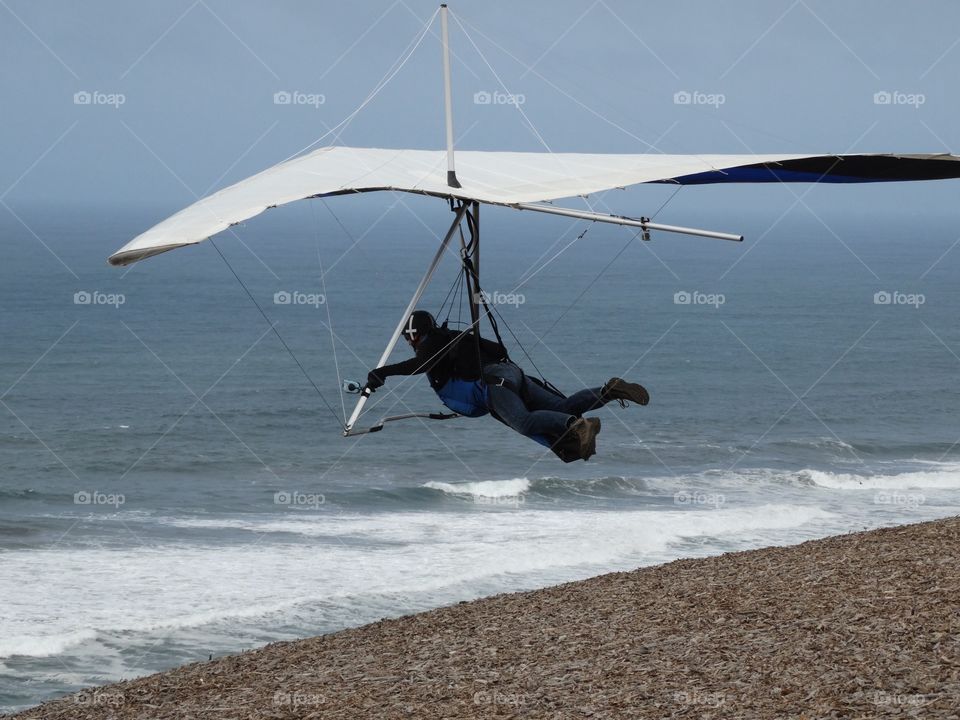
621, 390
594, 430
585, 430
579, 441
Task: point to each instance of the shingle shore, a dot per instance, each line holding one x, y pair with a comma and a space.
865, 625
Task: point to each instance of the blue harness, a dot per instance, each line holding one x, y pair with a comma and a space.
465, 397
471, 399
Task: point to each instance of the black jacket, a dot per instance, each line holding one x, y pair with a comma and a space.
444, 354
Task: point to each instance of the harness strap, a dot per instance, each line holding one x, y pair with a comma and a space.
481, 299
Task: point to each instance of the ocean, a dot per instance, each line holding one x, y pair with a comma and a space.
172, 487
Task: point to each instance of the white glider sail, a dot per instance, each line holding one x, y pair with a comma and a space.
524, 181
507, 178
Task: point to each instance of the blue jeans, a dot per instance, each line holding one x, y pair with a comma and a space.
544, 413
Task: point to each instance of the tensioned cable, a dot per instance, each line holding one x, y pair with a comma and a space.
556, 87
607, 120
584, 291
529, 122
519, 344
543, 142
451, 293
463, 278
667, 201
333, 340
277, 333
502, 84
546, 252
384, 81
566, 247
326, 299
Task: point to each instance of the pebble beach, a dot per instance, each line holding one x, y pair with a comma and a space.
864, 625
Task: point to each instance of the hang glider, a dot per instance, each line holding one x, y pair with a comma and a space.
524, 181
520, 180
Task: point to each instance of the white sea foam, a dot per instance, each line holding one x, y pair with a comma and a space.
933, 475
943, 476
484, 488
141, 590
41, 645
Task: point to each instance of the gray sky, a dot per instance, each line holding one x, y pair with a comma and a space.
197, 80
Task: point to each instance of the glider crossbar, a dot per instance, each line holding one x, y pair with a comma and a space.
643, 223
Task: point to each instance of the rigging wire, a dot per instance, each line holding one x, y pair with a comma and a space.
546, 252
463, 279
277, 333
520, 345
584, 291
453, 292
529, 122
384, 81
447, 297
667, 201
326, 300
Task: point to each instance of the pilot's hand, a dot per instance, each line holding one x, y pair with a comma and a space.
374, 381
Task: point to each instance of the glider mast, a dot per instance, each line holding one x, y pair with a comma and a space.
448, 104
469, 253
